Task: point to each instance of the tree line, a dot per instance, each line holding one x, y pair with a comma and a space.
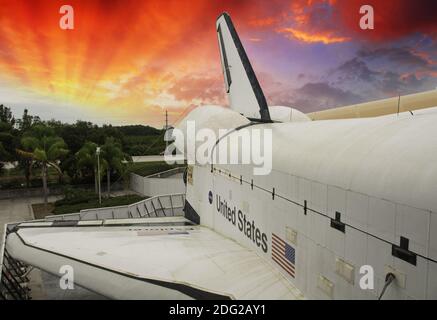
70, 149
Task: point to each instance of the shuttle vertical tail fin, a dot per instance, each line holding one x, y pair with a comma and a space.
242, 86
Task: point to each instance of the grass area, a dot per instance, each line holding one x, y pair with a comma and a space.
94, 203
40, 211
147, 168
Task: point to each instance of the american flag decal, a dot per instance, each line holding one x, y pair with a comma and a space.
283, 254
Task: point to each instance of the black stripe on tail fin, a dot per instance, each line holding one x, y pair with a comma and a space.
242, 86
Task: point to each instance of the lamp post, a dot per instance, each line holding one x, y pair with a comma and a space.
98, 173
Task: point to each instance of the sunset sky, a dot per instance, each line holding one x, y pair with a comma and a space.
125, 62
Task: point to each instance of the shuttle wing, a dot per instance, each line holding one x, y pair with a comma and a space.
148, 258
242, 86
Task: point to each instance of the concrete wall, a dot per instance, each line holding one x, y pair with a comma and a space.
136, 183
167, 182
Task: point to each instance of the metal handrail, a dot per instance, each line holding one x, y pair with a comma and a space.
126, 211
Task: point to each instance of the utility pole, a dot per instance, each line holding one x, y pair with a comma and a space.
166, 128
399, 103
98, 174
166, 119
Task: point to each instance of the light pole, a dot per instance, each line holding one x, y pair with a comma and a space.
98, 173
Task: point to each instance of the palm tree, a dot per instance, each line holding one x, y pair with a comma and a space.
3, 152
42, 145
115, 159
87, 158
24, 162
3, 156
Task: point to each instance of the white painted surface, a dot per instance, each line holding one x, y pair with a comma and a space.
240, 93
287, 114
379, 173
201, 259
150, 186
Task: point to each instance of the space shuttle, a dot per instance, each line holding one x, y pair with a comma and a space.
348, 210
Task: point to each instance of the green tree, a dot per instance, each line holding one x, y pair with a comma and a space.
115, 159
27, 121
87, 159
3, 155
6, 115
7, 134
42, 145
6, 142
25, 162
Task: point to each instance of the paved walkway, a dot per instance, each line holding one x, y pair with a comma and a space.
42, 284
16, 210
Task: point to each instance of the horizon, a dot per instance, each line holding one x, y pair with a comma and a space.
73, 122
126, 62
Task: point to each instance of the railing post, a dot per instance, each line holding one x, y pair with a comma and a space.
147, 210
162, 208
154, 209
171, 204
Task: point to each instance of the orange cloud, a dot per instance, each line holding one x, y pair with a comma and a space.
127, 59
308, 37
263, 22
311, 21
122, 56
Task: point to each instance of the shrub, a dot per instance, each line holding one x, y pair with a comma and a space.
62, 208
75, 196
